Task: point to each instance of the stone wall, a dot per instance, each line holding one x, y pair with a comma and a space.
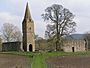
41, 45
11, 46
74, 45
68, 45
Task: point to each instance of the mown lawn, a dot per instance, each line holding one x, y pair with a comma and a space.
38, 59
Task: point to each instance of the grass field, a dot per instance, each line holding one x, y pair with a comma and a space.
38, 60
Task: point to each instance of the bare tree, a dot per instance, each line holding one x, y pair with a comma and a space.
0, 43
10, 33
87, 40
87, 35
59, 23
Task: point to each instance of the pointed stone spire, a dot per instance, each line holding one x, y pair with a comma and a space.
27, 12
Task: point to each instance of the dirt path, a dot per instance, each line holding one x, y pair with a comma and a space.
14, 61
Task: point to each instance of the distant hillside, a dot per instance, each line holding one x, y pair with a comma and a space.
75, 36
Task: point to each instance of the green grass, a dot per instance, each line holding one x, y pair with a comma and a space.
38, 59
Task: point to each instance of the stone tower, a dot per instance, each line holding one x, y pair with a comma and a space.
28, 31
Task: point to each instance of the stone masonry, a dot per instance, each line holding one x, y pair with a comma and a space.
74, 45
28, 31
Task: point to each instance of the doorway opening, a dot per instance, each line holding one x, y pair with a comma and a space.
73, 49
30, 47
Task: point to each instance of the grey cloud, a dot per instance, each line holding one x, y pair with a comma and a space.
81, 9
9, 18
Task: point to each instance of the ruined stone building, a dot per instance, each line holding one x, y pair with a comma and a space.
70, 45
11, 46
74, 45
28, 43
28, 31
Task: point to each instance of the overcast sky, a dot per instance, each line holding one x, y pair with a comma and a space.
12, 11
